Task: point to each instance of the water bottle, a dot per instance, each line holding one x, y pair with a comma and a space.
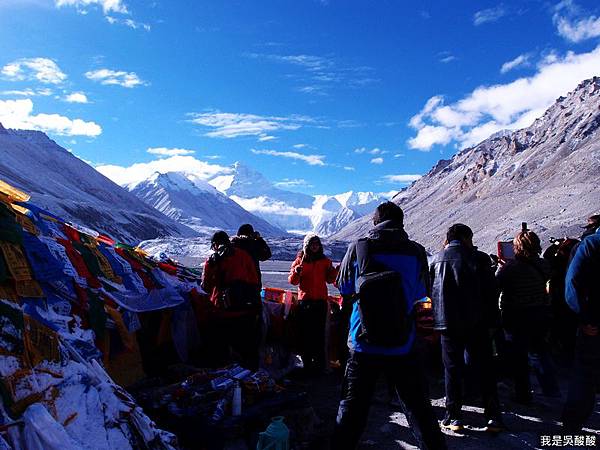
275, 437
236, 404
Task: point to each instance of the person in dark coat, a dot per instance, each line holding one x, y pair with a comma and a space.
582, 292
251, 241
389, 251
465, 309
526, 315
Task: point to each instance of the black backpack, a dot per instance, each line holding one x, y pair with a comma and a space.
241, 297
382, 303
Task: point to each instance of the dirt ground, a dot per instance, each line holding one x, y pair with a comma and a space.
388, 429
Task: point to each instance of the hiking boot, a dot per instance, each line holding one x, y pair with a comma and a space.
495, 426
455, 425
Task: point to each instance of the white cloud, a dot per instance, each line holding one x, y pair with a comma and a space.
28, 92
373, 151
231, 125
299, 145
319, 74
116, 6
140, 171
128, 23
268, 206
163, 151
349, 168
401, 178
520, 60
489, 15
266, 137
509, 106
76, 97
377, 161
293, 183
313, 160
429, 135
571, 23
18, 114
43, 70
115, 77
447, 59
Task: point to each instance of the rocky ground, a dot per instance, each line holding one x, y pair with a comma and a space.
388, 428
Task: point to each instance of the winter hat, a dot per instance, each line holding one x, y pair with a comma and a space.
246, 230
593, 222
220, 238
309, 237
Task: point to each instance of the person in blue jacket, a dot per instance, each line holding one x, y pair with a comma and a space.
582, 293
386, 256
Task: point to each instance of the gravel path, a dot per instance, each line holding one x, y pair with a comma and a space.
388, 429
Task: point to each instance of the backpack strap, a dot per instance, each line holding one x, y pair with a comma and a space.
362, 255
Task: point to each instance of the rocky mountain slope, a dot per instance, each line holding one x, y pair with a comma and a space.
546, 175
197, 204
62, 183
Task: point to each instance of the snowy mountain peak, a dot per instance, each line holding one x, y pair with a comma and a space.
62, 183
178, 181
197, 204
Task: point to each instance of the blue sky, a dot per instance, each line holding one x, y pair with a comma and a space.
320, 96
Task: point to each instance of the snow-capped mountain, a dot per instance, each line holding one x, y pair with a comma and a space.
62, 183
197, 204
293, 211
546, 175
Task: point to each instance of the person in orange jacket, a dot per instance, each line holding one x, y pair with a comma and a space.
311, 271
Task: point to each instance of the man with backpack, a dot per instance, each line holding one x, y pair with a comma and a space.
582, 293
387, 274
465, 309
231, 280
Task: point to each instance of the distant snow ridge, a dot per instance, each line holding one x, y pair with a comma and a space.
197, 204
546, 175
293, 211
62, 183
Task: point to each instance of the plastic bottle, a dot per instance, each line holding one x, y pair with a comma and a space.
236, 404
275, 437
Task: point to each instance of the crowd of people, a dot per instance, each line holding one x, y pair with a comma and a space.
534, 310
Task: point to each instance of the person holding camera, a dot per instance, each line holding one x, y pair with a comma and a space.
525, 307
231, 280
311, 271
251, 241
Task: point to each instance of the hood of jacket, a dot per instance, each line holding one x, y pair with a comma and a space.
388, 230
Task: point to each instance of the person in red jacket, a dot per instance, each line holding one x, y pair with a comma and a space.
230, 278
311, 271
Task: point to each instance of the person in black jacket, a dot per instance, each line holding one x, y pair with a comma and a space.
465, 308
249, 240
526, 315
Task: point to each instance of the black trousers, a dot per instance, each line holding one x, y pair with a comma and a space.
525, 333
584, 383
243, 337
473, 350
362, 373
312, 316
